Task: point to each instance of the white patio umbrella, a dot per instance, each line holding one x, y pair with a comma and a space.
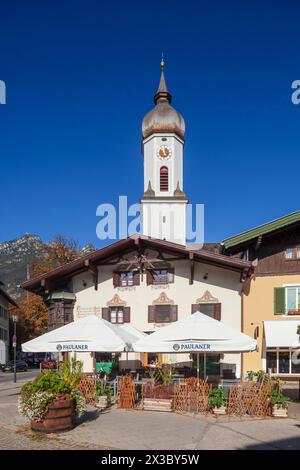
197, 333
90, 333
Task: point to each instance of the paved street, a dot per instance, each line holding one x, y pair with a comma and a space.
9, 376
18, 440
119, 429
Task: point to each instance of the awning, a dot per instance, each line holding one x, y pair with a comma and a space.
87, 334
196, 333
281, 333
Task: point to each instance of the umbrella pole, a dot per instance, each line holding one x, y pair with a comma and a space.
204, 366
198, 368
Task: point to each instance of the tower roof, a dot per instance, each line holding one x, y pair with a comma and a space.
163, 117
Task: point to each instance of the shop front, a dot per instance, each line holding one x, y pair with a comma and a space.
282, 348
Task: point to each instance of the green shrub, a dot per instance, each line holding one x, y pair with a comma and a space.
278, 399
217, 397
51, 386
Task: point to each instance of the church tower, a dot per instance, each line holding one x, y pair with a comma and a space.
164, 202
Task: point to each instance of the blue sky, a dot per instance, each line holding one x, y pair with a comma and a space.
81, 75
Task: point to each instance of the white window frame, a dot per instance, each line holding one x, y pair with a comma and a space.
117, 310
279, 350
286, 288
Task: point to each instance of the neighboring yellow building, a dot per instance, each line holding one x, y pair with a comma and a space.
272, 295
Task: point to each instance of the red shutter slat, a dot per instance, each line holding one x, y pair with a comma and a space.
218, 312
174, 313
195, 308
126, 314
106, 313
164, 179
151, 314
116, 279
149, 278
136, 278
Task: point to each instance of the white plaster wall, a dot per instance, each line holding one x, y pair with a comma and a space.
221, 283
166, 221
152, 163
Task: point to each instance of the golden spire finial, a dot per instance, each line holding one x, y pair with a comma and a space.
162, 62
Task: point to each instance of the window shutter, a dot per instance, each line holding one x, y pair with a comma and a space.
279, 300
218, 312
151, 314
136, 278
126, 314
149, 278
116, 279
174, 313
106, 313
170, 275
195, 308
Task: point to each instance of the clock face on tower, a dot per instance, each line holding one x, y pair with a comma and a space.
164, 152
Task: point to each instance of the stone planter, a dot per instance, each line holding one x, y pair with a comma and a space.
59, 417
221, 410
103, 402
279, 412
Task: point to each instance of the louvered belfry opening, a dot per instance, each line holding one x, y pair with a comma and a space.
164, 179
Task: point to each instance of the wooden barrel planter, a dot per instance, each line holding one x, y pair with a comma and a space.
59, 417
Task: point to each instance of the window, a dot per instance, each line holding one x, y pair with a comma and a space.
271, 362
164, 179
282, 362
116, 315
292, 253
211, 310
3, 334
163, 276
3, 313
292, 300
126, 279
163, 314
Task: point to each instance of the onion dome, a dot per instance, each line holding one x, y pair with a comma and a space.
163, 117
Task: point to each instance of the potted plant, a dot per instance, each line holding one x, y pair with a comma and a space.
53, 400
279, 404
217, 400
103, 394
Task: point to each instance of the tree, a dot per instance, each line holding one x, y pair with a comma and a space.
33, 313
59, 251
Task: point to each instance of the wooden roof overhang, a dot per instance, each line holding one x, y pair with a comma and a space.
8, 298
261, 233
112, 254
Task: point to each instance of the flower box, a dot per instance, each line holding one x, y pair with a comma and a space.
59, 417
103, 402
221, 410
157, 404
279, 412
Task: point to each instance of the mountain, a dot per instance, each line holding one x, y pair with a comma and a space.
15, 257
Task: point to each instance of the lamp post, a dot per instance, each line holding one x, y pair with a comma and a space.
15, 321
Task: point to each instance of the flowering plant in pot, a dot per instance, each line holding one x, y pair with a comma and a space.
103, 394
279, 403
217, 400
53, 399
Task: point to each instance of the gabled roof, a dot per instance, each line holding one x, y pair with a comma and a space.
6, 296
265, 229
140, 242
